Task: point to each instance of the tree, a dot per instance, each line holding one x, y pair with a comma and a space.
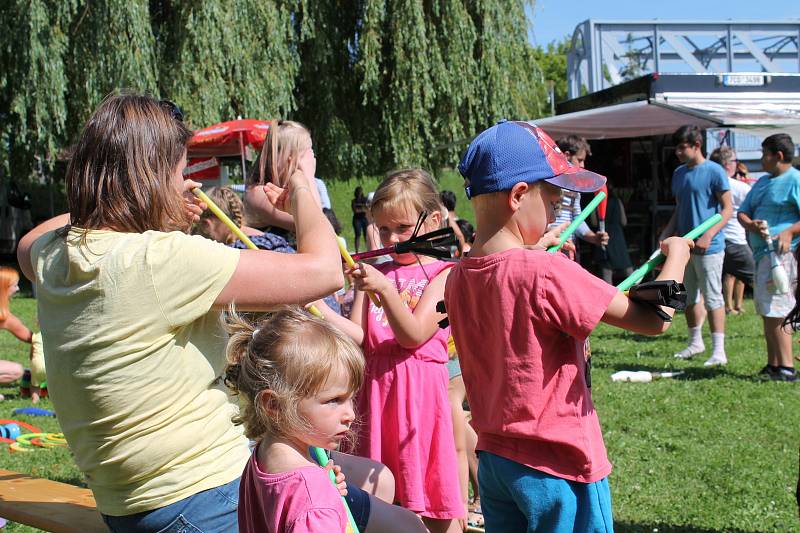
33, 81
328, 95
552, 61
381, 83
112, 47
432, 73
219, 60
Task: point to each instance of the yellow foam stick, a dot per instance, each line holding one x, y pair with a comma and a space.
352, 264
238, 232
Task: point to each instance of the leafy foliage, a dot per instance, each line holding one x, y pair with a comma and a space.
381, 83
552, 61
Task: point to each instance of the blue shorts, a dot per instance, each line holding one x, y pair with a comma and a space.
516, 498
213, 510
209, 510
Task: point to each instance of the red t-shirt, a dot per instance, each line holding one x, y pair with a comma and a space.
520, 320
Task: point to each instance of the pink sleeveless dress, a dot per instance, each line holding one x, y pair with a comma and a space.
405, 418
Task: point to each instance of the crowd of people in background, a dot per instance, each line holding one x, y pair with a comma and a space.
222, 310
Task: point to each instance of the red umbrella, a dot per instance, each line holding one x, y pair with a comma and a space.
228, 139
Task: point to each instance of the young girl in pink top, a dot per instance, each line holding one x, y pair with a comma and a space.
297, 375
405, 414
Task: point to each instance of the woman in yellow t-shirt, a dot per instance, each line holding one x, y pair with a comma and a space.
129, 310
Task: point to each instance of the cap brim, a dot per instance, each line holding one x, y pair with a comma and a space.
578, 180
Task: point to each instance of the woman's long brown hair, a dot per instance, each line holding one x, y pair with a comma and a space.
120, 175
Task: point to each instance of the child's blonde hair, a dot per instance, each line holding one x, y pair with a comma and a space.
410, 187
291, 354
281, 152
8, 278
229, 203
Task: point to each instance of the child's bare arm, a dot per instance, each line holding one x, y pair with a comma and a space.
15, 326
25, 244
640, 318
411, 329
357, 310
350, 328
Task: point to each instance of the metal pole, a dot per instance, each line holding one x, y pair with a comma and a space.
241, 152
730, 49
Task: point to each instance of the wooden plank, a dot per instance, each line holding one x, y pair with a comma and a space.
48, 505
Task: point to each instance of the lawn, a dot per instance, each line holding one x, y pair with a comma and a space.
714, 450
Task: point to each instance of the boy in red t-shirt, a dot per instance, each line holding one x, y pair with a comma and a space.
520, 318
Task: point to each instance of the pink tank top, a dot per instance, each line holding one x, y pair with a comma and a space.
410, 281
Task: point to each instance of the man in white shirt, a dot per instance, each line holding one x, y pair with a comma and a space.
738, 266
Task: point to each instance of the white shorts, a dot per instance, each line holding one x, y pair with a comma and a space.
703, 276
768, 303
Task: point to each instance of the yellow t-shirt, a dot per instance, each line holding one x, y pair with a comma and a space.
133, 353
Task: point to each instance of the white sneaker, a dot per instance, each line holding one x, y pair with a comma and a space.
689, 352
715, 360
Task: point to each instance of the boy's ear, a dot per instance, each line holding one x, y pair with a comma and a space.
515, 195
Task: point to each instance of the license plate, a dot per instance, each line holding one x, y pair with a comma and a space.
743, 80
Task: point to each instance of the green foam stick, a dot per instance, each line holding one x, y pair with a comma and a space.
658, 257
322, 459
577, 222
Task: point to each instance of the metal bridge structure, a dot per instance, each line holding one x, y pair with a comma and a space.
607, 53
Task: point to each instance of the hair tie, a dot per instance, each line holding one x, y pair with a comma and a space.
255, 332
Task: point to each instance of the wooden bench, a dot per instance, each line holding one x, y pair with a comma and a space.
48, 505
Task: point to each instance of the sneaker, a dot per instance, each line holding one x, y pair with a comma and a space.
784, 374
716, 361
767, 371
689, 352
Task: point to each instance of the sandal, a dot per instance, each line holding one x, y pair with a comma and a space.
475, 517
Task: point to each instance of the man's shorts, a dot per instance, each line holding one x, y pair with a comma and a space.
703, 276
739, 262
768, 303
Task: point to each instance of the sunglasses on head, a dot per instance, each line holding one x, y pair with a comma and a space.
174, 110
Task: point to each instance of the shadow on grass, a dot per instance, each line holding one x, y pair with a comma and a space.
625, 527
689, 374
78, 481
628, 336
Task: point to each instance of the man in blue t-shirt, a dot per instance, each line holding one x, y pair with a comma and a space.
701, 190
771, 210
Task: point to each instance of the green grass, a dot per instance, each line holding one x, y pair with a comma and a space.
714, 451
52, 463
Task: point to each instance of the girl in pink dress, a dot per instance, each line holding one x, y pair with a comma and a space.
405, 419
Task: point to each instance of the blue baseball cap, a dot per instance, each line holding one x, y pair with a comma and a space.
514, 151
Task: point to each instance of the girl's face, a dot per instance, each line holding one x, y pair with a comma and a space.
397, 224
307, 162
14, 289
537, 210
329, 412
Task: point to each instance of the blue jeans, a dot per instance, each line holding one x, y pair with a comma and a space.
516, 498
213, 510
